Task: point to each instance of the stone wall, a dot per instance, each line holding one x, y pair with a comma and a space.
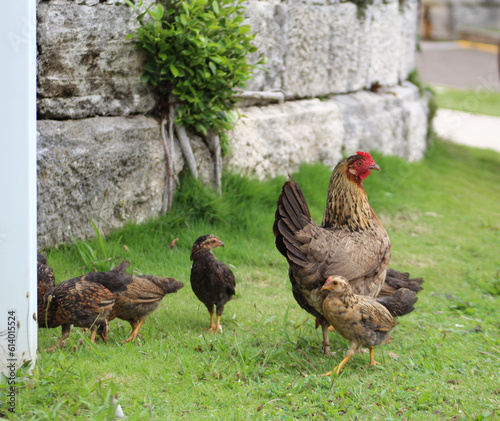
99, 156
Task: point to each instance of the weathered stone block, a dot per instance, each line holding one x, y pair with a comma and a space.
393, 121
408, 38
269, 21
385, 43
111, 169
308, 54
276, 139
85, 66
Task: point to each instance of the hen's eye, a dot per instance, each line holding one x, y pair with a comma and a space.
360, 163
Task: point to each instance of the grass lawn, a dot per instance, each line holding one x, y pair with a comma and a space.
443, 362
472, 101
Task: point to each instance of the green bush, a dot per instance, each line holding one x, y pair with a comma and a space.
196, 50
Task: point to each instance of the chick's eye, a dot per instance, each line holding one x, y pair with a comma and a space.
335, 282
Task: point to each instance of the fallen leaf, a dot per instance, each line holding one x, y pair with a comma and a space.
393, 355
172, 244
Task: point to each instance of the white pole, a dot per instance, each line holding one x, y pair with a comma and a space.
18, 329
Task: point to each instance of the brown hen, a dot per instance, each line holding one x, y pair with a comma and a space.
351, 242
84, 301
142, 297
212, 281
363, 321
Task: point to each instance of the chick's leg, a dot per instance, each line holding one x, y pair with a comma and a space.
216, 328
212, 324
133, 325
93, 331
372, 357
65, 333
135, 330
349, 354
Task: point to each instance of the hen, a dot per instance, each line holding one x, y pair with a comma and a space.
142, 296
351, 242
212, 281
362, 320
84, 301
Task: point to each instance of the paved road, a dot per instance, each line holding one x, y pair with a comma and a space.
459, 64
463, 65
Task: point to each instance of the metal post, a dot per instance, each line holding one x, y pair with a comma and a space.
18, 300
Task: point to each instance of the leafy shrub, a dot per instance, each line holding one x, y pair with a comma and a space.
196, 50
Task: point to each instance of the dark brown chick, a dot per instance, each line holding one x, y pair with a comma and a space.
362, 320
212, 281
84, 301
46, 280
142, 297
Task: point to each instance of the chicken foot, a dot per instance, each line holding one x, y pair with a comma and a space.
66, 329
212, 324
349, 354
135, 331
218, 325
372, 357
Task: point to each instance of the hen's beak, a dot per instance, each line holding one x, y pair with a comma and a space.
374, 167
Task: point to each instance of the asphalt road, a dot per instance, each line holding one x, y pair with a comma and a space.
459, 64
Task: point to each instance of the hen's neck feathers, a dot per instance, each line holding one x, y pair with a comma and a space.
347, 204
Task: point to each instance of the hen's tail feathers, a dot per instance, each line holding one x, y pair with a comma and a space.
292, 214
169, 285
395, 280
399, 303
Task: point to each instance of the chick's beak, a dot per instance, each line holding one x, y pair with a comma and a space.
374, 167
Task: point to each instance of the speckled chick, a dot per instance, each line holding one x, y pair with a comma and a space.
364, 321
84, 301
142, 297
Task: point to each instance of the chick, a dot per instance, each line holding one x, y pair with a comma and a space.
142, 296
212, 281
46, 280
362, 320
84, 301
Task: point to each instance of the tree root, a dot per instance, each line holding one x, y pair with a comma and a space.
213, 142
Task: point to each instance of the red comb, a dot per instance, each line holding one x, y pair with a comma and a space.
365, 154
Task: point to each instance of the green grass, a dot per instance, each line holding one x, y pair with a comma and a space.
443, 362
472, 101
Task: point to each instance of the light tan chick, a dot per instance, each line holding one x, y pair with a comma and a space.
364, 321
